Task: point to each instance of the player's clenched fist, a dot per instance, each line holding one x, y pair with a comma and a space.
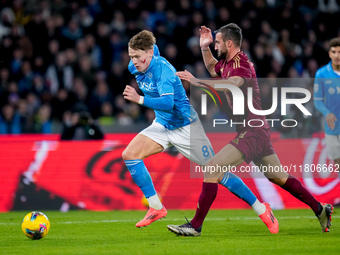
131, 94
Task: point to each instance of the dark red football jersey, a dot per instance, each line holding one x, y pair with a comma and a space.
241, 66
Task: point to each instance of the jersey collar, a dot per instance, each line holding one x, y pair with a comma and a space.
238, 53
330, 68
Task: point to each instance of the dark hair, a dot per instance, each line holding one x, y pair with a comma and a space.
335, 42
144, 40
231, 32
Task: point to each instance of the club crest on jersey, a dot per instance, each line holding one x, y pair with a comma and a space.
149, 75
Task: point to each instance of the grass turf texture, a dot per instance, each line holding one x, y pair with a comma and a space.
224, 232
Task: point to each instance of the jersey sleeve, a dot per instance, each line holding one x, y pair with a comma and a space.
218, 67
318, 87
166, 81
164, 103
319, 96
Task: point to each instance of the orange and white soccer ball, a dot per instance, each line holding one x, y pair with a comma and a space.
35, 225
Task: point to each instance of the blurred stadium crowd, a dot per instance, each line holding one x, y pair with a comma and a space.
58, 58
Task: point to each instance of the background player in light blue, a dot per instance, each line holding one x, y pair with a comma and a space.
327, 99
176, 124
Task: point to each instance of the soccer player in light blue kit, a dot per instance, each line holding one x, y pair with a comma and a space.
327, 99
176, 124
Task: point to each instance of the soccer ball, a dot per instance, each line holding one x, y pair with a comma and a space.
35, 225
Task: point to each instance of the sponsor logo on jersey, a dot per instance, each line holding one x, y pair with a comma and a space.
147, 85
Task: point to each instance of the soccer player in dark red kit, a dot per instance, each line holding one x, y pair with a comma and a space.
251, 143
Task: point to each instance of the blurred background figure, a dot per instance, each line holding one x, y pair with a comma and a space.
82, 127
9, 120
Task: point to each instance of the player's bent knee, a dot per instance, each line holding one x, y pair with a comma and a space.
129, 155
125, 155
210, 180
212, 177
278, 181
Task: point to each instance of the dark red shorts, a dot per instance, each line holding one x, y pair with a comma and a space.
254, 143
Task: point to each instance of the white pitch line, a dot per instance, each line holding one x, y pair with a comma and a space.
208, 219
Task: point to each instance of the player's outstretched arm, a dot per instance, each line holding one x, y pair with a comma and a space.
216, 84
162, 103
205, 40
319, 102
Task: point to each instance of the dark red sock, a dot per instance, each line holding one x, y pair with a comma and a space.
207, 197
296, 188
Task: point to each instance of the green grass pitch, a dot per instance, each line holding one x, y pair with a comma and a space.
224, 232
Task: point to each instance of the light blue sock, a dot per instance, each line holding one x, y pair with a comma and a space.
141, 176
236, 186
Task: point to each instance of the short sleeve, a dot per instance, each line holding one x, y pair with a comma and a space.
218, 67
166, 81
318, 87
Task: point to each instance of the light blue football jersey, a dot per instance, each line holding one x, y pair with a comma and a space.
160, 79
327, 95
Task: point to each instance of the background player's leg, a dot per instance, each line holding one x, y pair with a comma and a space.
337, 165
333, 149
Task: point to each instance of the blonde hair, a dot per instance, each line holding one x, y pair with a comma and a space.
144, 40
